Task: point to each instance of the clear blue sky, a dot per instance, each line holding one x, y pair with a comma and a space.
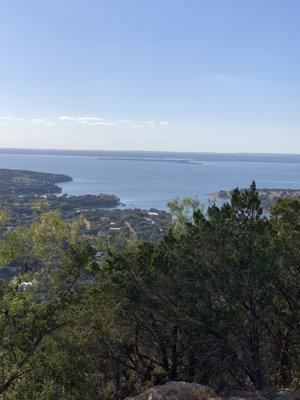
192, 75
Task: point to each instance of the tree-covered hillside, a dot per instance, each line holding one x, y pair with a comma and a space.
214, 302
15, 181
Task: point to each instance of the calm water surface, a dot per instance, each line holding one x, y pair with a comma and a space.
146, 184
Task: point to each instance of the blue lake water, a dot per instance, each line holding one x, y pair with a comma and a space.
146, 184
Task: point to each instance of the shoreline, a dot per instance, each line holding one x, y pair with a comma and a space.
162, 156
168, 160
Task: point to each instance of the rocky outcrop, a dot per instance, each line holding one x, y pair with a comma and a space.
194, 391
176, 391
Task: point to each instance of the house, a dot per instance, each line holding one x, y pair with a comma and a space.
23, 286
152, 214
115, 228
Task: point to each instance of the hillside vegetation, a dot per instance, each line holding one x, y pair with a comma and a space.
214, 302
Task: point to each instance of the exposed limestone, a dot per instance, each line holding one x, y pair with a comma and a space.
176, 391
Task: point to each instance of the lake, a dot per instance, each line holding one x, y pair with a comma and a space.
151, 184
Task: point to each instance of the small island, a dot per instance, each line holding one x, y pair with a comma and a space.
21, 182
150, 159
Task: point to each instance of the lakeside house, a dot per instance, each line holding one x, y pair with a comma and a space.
115, 228
152, 213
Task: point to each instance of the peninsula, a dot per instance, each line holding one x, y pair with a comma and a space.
20, 182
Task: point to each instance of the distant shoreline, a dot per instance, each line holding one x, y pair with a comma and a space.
159, 156
169, 160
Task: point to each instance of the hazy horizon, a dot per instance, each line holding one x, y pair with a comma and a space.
95, 150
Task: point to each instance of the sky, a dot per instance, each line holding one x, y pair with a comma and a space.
178, 75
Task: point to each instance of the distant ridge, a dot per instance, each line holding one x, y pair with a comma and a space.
160, 155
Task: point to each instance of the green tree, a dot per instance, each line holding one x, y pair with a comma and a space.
215, 301
285, 217
36, 306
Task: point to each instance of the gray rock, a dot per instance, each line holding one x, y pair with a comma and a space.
176, 391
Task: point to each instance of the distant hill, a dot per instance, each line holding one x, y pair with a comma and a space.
161, 155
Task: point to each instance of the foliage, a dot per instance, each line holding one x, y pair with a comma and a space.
215, 301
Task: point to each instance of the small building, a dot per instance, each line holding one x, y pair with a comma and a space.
115, 228
152, 214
